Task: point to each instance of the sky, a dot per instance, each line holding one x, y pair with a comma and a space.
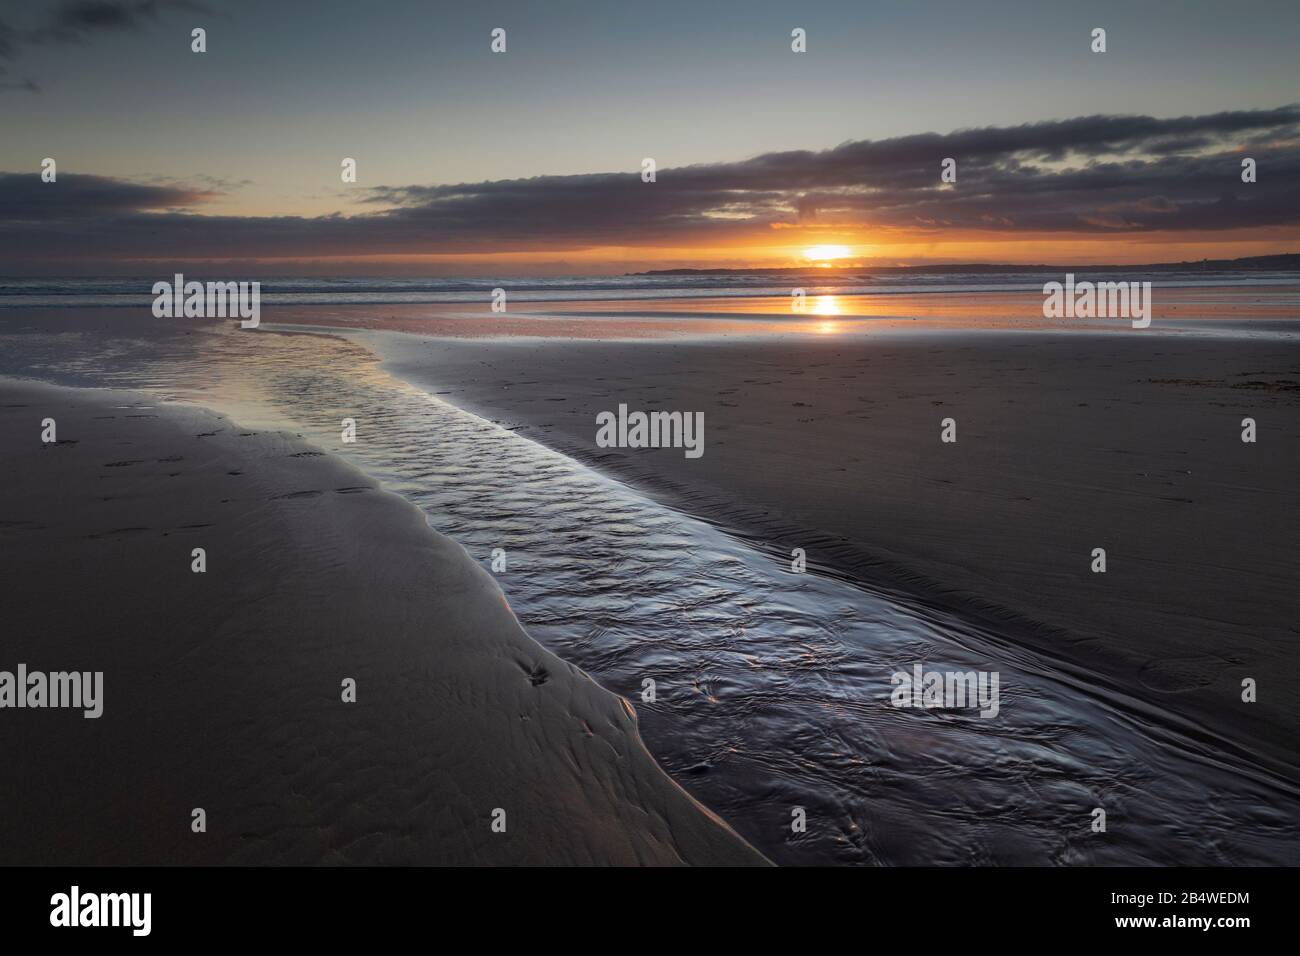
530, 160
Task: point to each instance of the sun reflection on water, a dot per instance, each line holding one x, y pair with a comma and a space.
826, 305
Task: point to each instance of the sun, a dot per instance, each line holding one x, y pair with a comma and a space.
825, 253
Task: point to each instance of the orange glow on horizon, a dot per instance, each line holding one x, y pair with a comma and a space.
823, 254
885, 250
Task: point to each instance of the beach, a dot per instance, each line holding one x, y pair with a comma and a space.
1065, 442
225, 690
668, 578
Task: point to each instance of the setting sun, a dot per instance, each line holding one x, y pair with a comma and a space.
822, 253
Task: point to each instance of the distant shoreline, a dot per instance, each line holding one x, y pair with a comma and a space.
1282, 262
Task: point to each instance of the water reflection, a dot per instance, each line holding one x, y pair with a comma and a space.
826, 305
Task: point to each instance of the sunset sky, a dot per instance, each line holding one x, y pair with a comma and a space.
529, 161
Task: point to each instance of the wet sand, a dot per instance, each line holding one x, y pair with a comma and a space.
774, 687
222, 690
1066, 443
823, 312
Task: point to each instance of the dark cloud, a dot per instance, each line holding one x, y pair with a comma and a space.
7, 42
75, 21
27, 201
1094, 175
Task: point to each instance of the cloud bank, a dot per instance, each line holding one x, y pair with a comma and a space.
1092, 176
